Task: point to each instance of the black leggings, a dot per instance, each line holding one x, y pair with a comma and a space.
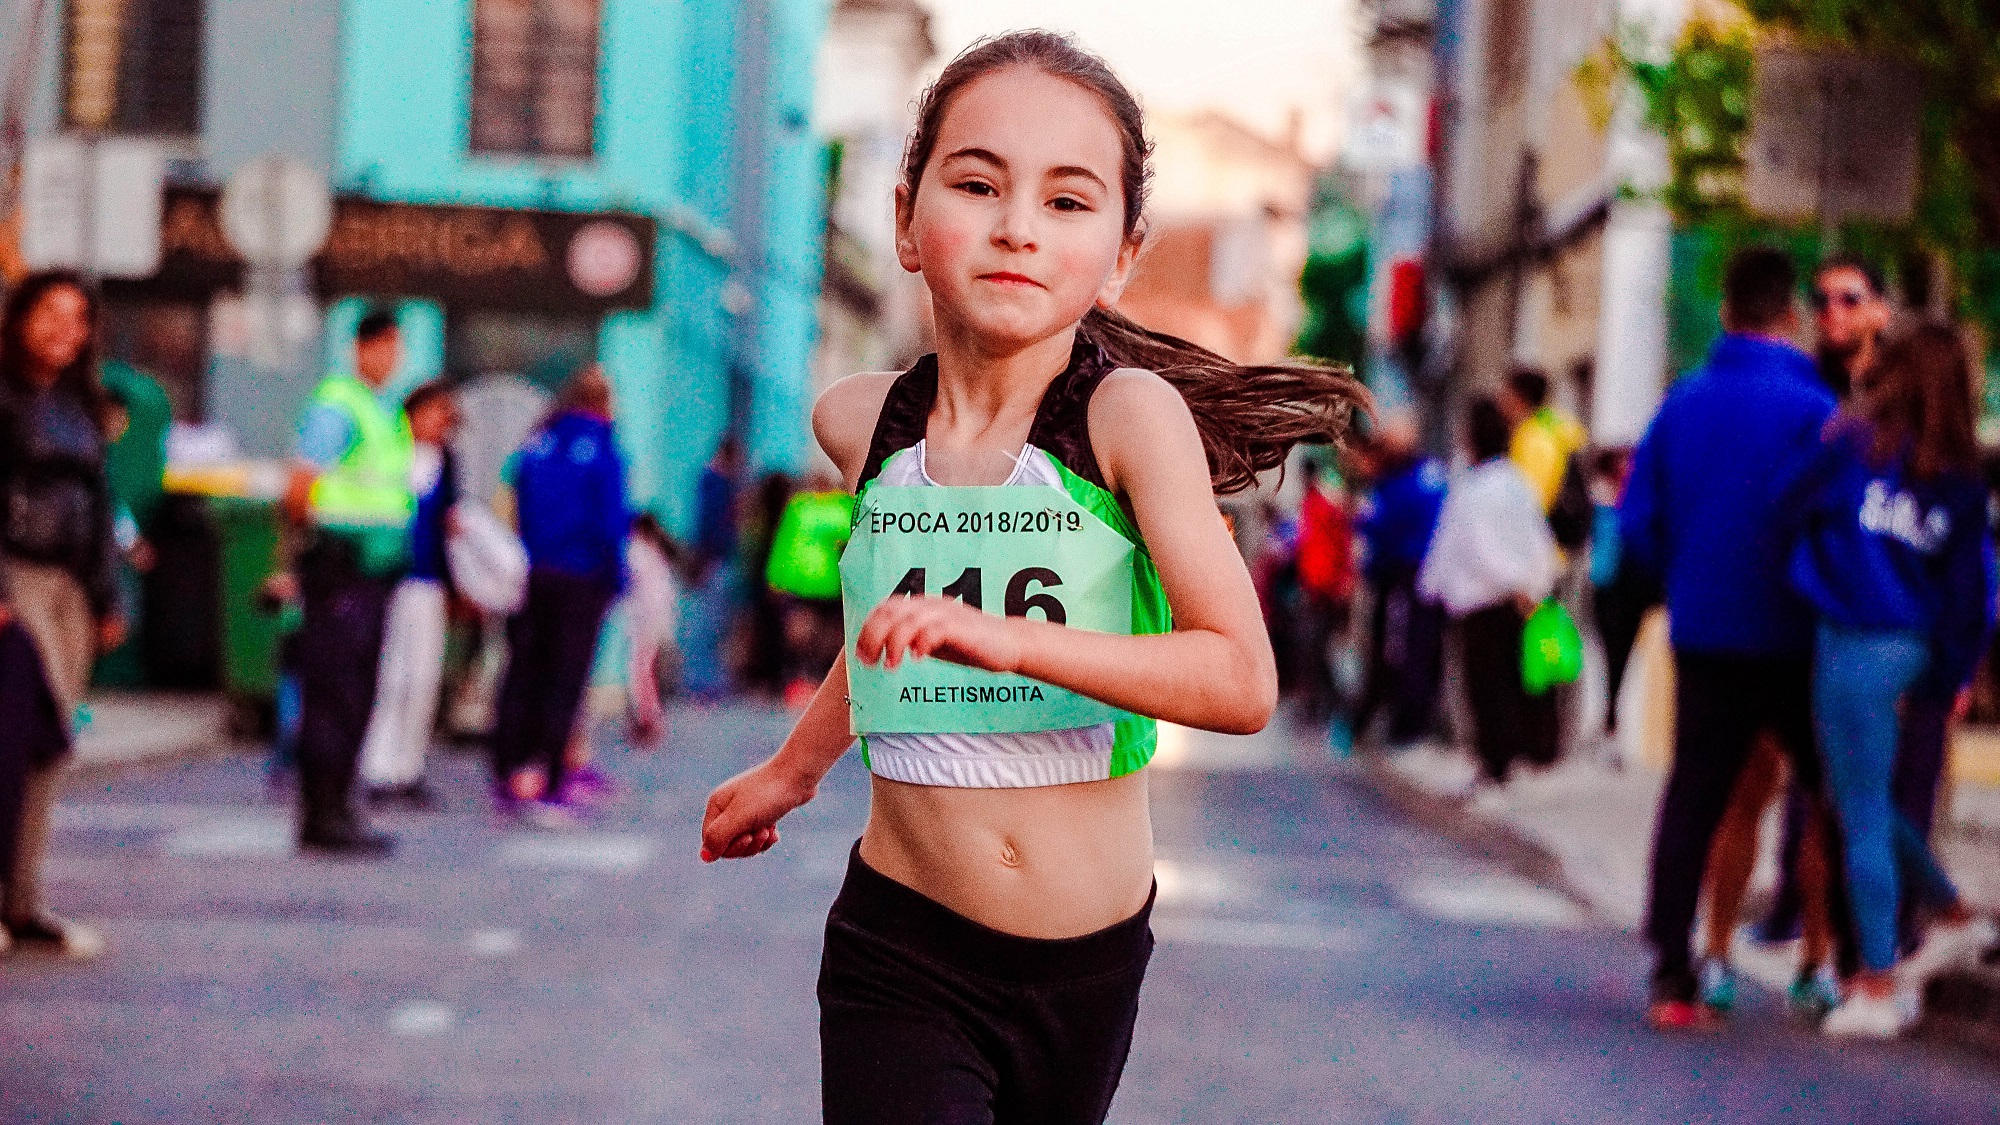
929, 1018
1508, 724
551, 644
1721, 703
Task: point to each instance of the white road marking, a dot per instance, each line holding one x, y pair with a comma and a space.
236, 836
615, 854
1499, 900
494, 943
1243, 934
421, 1017
1182, 882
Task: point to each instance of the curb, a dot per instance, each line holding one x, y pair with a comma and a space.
142, 731
78, 767
1960, 1009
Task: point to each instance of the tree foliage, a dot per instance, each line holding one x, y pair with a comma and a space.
1698, 97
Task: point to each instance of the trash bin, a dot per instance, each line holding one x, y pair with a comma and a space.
247, 531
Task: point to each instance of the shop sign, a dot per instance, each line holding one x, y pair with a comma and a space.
490, 257
466, 257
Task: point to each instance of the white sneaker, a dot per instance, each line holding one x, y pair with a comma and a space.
1872, 1017
1946, 948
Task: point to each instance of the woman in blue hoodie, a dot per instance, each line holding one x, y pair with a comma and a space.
569, 495
1891, 548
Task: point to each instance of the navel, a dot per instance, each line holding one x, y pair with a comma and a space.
1008, 854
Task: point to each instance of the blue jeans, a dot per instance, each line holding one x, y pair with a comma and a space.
1859, 679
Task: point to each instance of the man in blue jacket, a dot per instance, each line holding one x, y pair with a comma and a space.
1700, 514
1405, 632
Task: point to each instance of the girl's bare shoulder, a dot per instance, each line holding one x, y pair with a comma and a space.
844, 418
1130, 387
1136, 417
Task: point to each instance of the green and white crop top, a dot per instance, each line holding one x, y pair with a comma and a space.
1069, 553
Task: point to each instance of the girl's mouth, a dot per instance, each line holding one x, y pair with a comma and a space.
1004, 278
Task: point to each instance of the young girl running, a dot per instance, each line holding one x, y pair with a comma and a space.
984, 956
1892, 550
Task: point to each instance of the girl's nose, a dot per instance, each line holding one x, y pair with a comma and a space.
1014, 228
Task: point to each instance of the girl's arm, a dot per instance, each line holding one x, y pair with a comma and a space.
743, 812
1214, 671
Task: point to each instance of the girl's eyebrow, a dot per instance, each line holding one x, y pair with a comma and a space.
1077, 170
1065, 171
979, 154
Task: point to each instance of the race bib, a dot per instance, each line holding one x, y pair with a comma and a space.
1021, 551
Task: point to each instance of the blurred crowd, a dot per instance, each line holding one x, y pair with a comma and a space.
1817, 528
410, 609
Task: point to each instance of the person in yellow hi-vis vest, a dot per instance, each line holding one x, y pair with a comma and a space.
349, 497
1544, 437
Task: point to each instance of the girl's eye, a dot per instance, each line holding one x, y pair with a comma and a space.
1068, 203
977, 187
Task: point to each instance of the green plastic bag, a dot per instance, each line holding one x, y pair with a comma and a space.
1551, 649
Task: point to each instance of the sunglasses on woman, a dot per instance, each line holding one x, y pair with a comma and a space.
1845, 298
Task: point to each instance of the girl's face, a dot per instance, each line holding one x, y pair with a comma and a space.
55, 331
1019, 223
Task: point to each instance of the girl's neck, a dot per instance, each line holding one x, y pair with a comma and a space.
985, 395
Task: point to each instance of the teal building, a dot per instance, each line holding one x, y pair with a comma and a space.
648, 164
701, 122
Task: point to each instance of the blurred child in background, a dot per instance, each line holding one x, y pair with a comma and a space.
652, 620
406, 693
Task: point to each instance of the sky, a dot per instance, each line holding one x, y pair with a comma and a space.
1254, 59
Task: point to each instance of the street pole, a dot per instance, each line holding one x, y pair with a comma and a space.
14, 99
1430, 386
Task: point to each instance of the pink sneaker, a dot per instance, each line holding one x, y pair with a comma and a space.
587, 785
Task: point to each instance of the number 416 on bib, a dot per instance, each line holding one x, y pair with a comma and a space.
969, 587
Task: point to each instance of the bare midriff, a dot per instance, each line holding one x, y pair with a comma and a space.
1055, 861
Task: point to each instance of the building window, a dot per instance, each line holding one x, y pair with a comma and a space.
133, 66
534, 77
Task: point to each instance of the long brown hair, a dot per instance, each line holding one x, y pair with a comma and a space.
1918, 403
80, 376
1250, 415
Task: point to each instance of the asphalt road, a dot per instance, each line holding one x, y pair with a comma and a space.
1320, 959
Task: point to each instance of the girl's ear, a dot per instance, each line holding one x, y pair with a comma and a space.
906, 242
1121, 272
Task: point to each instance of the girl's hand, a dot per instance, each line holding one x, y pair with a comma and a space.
938, 627
743, 812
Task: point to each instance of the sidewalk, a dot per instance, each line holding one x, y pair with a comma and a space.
1590, 827
127, 728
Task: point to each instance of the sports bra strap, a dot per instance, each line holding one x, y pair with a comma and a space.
1062, 420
